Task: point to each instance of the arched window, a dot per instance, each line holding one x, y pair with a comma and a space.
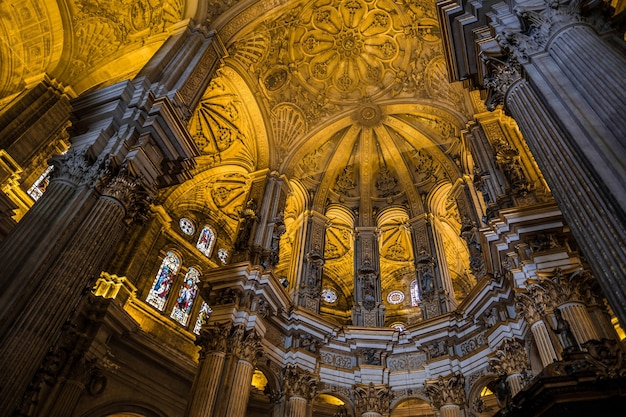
415, 293
186, 296
206, 241
203, 316
163, 281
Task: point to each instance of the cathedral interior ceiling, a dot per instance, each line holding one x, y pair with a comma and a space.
348, 99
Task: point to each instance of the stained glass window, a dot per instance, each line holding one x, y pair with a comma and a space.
186, 296
329, 295
187, 226
40, 185
395, 297
415, 294
163, 281
206, 240
203, 316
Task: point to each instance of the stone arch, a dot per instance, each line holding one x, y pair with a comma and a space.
412, 405
347, 406
481, 403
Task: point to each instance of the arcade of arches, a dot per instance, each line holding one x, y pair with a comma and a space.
312, 208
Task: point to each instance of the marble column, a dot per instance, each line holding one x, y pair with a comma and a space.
566, 105
578, 317
63, 280
511, 360
246, 352
299, 387
447, 395
532, 313
206, 384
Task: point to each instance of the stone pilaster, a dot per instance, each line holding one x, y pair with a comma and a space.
76, 266
368, 308
212, 342
312, 270
566, 109
447, 395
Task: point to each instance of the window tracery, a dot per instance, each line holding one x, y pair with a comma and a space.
206, 241
186, 296
163, 281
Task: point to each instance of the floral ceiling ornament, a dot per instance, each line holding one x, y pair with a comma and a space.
348, 48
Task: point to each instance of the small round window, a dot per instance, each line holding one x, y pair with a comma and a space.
329, 296
187, 226
395, 297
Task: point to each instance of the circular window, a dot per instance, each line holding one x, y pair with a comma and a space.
329, 296
187, 226
395, 297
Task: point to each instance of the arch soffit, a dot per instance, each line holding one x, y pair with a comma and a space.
121, 407
348, 404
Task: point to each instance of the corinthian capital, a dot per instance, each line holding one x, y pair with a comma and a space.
213, 339
75, 167
299, 383
370, 398
447, 391
249, 348
501, 74
510, 359
129, 190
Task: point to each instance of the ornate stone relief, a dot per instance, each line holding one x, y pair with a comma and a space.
220, 127
337, 360
510, 359
104, 28
371, 398
447, 391
408, 362
299, 383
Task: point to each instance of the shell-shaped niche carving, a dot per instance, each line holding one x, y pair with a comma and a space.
251, 51
96, 38
288, 123
220, 127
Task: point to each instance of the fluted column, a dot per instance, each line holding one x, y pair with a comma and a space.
206, 384
578, 317
511, 360
531, 312
71, 390
448, 395
565, 104
63, 280
246, 348
300, 388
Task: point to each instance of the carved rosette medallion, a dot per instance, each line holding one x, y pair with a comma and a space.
348, 49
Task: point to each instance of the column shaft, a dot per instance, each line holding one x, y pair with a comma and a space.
578, 317
206, 385
240, 389
515, 383
297, 407
67, 399
544, 343
450, 410
60, 284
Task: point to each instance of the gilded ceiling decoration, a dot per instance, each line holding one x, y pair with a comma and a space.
79, 41
221, 127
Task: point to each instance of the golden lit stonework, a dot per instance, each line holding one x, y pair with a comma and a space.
347, 49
